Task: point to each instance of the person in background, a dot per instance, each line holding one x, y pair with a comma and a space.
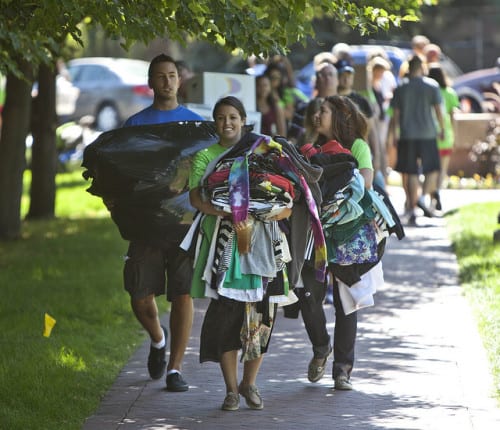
325, 84
273, 120
345, 88
283, 87
326, 80
310, 122
323, 57
294, 100
418, 45
147, 262
185, 74
450, 106
342, 51
432, 53
380, 95
345, 73
413, 131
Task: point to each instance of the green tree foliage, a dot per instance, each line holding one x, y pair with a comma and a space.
37, 29
34, 33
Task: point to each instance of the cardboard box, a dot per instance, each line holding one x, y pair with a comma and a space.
208, 87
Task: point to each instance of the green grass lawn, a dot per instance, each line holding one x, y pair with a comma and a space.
71, 268
471, 230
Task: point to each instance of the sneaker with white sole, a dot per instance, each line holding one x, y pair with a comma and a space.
252, 396
342, 383
231, 402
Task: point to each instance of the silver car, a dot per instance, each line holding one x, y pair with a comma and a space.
109, 89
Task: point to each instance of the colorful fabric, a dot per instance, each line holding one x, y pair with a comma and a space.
255, 332
319, 239
271, 154
270, 182
263, 146
331, 147
361, 248
239, 189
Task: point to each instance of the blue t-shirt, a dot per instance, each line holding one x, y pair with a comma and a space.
150, 115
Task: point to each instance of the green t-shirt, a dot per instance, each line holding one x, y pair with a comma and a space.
361, 152
450, 102
291, 95
2, 90
200, 162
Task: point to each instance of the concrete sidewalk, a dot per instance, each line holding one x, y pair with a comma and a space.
420, 362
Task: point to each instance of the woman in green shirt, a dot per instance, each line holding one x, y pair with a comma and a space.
231, 312
341, 126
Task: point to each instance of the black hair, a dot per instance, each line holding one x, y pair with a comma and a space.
414, 64
162, 58
437, 73
230, 101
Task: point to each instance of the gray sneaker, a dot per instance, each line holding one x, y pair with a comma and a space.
342, 383
231, 402
252, 396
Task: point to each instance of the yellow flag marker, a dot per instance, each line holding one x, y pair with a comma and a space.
49, 325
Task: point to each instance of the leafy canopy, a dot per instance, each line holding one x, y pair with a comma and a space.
36, 30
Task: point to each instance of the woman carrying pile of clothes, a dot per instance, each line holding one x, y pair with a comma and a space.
257, 202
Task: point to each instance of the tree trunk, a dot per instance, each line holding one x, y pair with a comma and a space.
43, 150
15, 126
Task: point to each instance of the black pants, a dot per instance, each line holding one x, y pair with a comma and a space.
311, 299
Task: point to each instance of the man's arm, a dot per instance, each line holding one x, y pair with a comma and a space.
439, 116
394, 132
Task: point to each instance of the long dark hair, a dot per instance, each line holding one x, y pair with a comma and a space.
269, 99
348, 123
281, 71
230, 101
437, 73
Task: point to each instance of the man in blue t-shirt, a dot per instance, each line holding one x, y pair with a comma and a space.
147, 263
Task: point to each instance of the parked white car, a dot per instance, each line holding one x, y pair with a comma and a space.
109, 89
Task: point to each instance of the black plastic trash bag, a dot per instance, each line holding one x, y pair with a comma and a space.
142, 174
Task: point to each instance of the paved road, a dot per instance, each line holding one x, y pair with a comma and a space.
420, 362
